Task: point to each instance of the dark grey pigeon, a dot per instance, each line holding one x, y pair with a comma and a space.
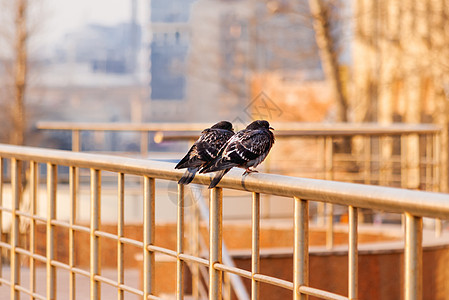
246, 149
205, 149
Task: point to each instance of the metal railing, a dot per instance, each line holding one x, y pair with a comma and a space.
414, 205
402, 155
397, 155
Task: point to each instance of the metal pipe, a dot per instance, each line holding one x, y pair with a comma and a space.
215, 242
72, 221
144, 143
413, 257
353, 253
255, 244
52, 181
329, 226
33, 199
180, 244
334, 129
1, 211
95, 213
120, 234
76, 141
329, 175
148, 236
373, 197
16, 179
194, 245
301, 248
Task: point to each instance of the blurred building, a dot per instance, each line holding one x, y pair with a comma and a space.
205, 54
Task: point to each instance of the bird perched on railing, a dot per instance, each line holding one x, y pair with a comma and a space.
246, 149
205, 149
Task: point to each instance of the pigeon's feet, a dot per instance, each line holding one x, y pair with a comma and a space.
248, 170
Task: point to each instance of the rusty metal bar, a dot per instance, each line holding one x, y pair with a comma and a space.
413, 257
255, 244
180, 244
52, 181
33, 201
120, 234
353, 253
148, 236
215, 242
95, 213
301, 248
16, 180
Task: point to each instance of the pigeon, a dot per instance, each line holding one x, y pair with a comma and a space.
247, 148
205, 149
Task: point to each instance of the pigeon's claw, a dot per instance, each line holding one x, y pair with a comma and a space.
248, 170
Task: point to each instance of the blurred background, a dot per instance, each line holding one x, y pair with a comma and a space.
207, 60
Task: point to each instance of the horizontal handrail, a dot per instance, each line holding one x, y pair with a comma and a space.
425, 204
289, 128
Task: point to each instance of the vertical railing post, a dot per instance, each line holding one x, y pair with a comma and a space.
76, 142
255, 245
144, 143
195, 232
148, 236
1, 212
120, 234
215, 242
329, 153
33, 199
95, 213
367, 159
413, 257
180, 244
72, 220
52, 178
76, 147
16, 179
353, 254
301, 248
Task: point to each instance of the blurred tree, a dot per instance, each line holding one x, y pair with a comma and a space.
14, 36
20, 72
323, 18
401, 64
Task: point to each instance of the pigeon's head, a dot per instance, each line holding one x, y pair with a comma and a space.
259, 124
223, 125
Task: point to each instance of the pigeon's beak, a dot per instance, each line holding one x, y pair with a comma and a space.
271, 128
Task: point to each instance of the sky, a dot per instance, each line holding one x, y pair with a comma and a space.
64, 16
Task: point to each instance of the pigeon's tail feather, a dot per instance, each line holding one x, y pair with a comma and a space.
188, 176
189, 162
218, 177
181, 164
217, 165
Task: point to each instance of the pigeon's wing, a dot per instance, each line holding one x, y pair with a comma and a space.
250, 146
210, 144
205, 148
237, 151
